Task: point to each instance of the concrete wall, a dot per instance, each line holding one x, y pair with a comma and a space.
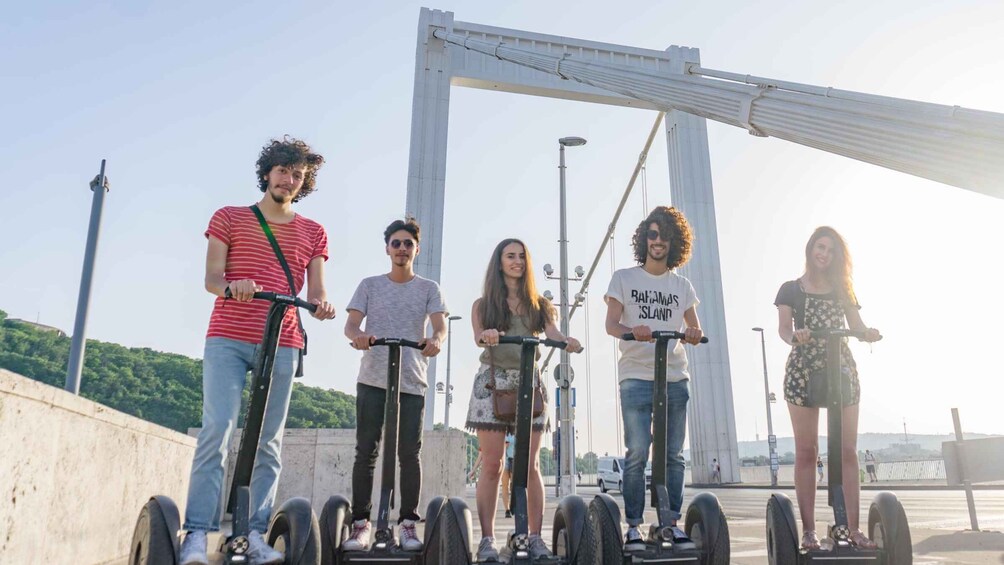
74, 474
318, 463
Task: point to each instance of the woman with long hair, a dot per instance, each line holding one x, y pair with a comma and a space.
822, 298
509, 305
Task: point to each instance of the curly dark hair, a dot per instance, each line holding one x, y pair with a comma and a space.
674, 229
408, 224
287, 153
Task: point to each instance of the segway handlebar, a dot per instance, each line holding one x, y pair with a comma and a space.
662, 334
840, 332
279, 298
521, 339
397, 341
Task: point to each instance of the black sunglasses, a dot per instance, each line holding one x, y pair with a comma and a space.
654, 234
397, 243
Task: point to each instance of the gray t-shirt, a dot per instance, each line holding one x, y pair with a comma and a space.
396, 310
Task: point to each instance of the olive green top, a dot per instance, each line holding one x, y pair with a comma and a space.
506, 356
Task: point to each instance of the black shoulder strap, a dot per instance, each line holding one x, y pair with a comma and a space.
289, 279
800, 305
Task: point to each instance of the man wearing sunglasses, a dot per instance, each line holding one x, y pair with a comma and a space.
641, 299
396, 304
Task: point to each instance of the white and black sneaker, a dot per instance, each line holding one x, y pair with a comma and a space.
487, 551
680, 539
633, 540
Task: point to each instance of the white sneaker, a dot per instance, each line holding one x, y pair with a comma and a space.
487, 551
261, 553
359, 539
409, 537
193, 549
538, 549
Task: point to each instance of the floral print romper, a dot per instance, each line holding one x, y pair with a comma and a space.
822, 311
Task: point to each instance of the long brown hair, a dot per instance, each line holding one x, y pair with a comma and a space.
494, 309
840, 274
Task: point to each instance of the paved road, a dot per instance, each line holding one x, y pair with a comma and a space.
939, 521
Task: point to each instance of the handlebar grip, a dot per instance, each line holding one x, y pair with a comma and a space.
657, 334
397, 341
277, 297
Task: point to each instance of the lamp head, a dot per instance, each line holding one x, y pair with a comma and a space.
572, 141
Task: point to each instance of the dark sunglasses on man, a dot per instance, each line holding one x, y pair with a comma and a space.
654, 234
407, 243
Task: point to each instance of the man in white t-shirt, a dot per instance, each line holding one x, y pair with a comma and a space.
640, 300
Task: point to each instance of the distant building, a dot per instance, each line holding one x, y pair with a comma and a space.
42, 327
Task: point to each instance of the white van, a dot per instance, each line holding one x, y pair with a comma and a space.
610, 474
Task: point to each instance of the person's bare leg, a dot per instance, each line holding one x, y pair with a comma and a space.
805, 424
535, 486
492, 447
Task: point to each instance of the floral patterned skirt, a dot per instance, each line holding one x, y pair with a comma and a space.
480, 411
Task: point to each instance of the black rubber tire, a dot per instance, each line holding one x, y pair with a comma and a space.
888, 527
707, 527
569, 528
782, 531
446, 532
620, 487
334, 528
601, 538
603, 487
154, 539
295, 532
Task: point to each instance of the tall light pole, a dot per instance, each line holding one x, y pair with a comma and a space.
449, 387
565, 424
771, 440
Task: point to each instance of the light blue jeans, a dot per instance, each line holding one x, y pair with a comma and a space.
225, 366
636, 408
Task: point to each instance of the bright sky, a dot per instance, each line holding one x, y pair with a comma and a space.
180, 96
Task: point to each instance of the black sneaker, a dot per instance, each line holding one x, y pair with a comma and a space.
680, 539
633, 540
508, 514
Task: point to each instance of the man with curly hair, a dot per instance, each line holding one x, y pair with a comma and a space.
241, 260
640, 300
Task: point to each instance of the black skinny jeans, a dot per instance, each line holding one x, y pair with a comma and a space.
369, 431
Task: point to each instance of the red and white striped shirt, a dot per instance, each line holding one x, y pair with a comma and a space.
250, 256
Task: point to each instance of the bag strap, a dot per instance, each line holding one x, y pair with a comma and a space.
289, 279
800, 311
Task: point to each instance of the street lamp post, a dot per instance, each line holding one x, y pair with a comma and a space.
771, 440
565, 424
449, 387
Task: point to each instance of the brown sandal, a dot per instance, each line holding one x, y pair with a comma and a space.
859, 539
810, 540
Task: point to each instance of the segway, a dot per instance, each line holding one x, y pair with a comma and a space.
705, 524
887, 524
569, 517
336, 518
294, 527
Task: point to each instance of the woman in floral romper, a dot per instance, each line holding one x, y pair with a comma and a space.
509, 305
822, 298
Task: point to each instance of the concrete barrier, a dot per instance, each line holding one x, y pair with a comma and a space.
317, 463
74, 474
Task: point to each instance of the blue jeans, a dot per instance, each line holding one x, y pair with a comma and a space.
636, 407
225, 366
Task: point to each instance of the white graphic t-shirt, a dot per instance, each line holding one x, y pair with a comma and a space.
659, 303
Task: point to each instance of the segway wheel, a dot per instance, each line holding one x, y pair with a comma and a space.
448, 530
601, 538
782, 533
334, 528
707, 527
295, 532
155, 537
568, 528
887, 526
